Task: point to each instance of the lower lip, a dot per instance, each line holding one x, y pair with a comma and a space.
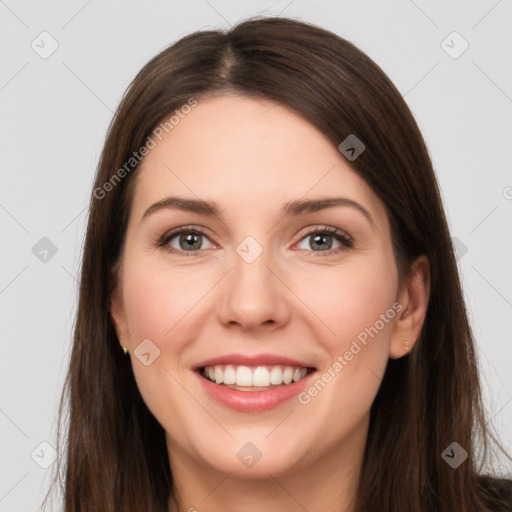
253, 401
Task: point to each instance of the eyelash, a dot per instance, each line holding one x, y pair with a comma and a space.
339, 235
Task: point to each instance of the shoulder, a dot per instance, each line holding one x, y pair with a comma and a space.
497, 493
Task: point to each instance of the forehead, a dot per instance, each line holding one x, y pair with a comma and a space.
247, 154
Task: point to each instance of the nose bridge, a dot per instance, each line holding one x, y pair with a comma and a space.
253, 295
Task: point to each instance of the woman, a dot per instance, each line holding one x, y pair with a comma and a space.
270, 314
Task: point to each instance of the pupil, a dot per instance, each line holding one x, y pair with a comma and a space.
322, 239
190, 241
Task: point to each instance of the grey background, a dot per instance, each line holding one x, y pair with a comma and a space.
55, 112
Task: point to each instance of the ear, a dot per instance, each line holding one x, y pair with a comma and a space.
413, 297
118, 317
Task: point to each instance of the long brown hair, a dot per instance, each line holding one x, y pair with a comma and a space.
114, 456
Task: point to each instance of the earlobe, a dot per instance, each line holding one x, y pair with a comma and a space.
413, 297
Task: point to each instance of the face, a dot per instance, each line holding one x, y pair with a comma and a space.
257, 294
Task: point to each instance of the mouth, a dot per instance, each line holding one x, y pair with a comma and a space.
253, 383
254, 378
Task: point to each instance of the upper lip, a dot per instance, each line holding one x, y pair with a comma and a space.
256, 360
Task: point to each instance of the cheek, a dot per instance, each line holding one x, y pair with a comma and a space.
355, 306
350, 300
160, 301
159, 306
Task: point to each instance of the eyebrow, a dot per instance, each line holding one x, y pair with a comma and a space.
292, 208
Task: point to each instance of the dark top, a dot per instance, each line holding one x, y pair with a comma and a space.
500, 490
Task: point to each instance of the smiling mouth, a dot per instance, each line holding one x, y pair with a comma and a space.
254, 378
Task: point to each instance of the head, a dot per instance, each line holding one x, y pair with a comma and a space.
247, 126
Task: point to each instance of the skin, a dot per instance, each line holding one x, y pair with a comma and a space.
251, 156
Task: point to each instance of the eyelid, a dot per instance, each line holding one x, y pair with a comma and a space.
347, 240
344, 238
321, 228
168, 235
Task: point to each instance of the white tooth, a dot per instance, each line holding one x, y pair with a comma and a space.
303, 372
243, 376
261, 377
229, 375
276, 375
211, 373
219, 377
288, 375
296, 375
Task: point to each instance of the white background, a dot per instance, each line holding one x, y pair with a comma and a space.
55, 112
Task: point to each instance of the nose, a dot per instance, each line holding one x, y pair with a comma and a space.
254, 295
